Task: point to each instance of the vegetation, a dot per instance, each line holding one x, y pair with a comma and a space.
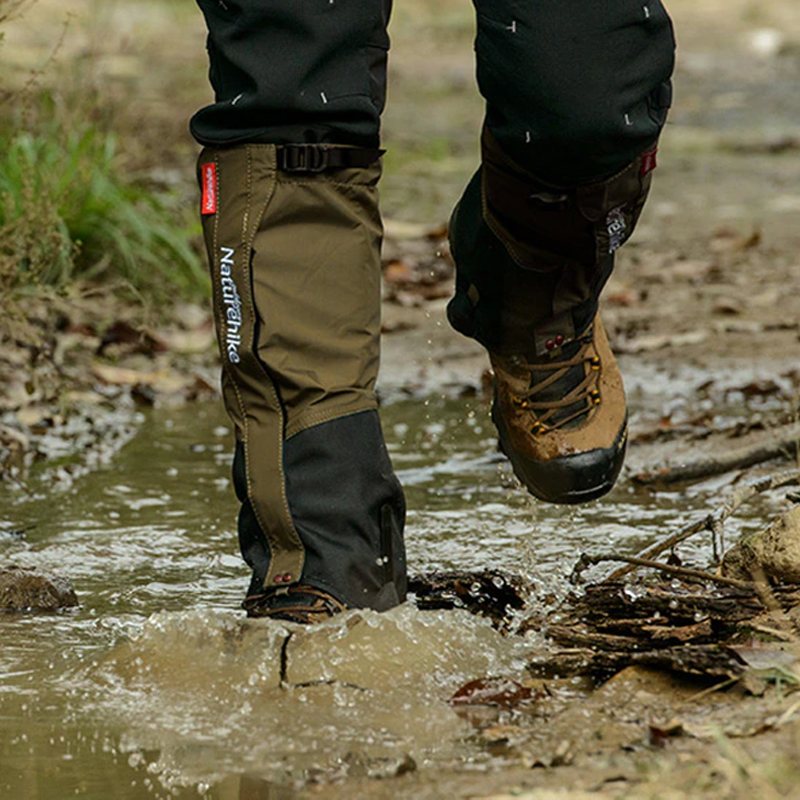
70, 211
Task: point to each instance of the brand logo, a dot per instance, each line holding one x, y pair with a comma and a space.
231, 306
649, 161
617, 228
209, 181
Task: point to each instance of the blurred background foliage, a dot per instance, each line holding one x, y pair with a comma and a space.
97, 167
73, 205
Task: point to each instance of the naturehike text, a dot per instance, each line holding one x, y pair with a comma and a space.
232, 307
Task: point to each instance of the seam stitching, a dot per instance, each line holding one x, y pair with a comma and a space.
294, 537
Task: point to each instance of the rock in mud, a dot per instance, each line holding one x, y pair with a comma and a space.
774, 552
29, 590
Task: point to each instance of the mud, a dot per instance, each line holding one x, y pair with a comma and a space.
773, 553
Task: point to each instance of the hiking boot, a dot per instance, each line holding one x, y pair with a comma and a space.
561, 418
531, 260
301, 604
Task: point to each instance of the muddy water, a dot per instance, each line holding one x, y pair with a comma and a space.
157, 687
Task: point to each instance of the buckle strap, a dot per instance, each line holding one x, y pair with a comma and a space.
316, 158
300, 599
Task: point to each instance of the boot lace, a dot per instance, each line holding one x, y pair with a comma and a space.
584, 396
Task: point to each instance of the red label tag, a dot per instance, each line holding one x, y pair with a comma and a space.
208, 205
649, 161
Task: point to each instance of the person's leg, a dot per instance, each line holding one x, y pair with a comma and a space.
577, 95
293, 232
295, 72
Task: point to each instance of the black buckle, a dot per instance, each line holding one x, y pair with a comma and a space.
304, 158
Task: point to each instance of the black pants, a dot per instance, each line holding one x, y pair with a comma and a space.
575, 89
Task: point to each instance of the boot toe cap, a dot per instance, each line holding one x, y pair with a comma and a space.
574, 478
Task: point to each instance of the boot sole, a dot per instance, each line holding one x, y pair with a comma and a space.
569, 480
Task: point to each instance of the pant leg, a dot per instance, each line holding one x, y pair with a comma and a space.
576, 97
295, 265
285, 72
576, 90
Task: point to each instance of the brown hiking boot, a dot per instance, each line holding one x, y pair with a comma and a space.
302, 604
561, 418
531, 261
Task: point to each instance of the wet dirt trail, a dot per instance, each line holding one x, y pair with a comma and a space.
157, 686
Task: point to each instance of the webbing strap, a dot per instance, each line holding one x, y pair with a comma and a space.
316, 158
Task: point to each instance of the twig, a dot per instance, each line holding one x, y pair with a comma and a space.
778, 634
684, 572
786, 716
711, 522
784, 446
717, 687
771, 602
11, 8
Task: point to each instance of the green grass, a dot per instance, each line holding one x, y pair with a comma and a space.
70, 211
67, 213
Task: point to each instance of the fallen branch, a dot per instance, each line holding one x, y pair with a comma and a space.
786, 445
604, 603
712, 522
592, 640
710, 660
586, 561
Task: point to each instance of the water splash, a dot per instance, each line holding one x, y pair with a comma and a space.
214, 694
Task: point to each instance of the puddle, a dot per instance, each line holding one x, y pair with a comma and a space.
158, 687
